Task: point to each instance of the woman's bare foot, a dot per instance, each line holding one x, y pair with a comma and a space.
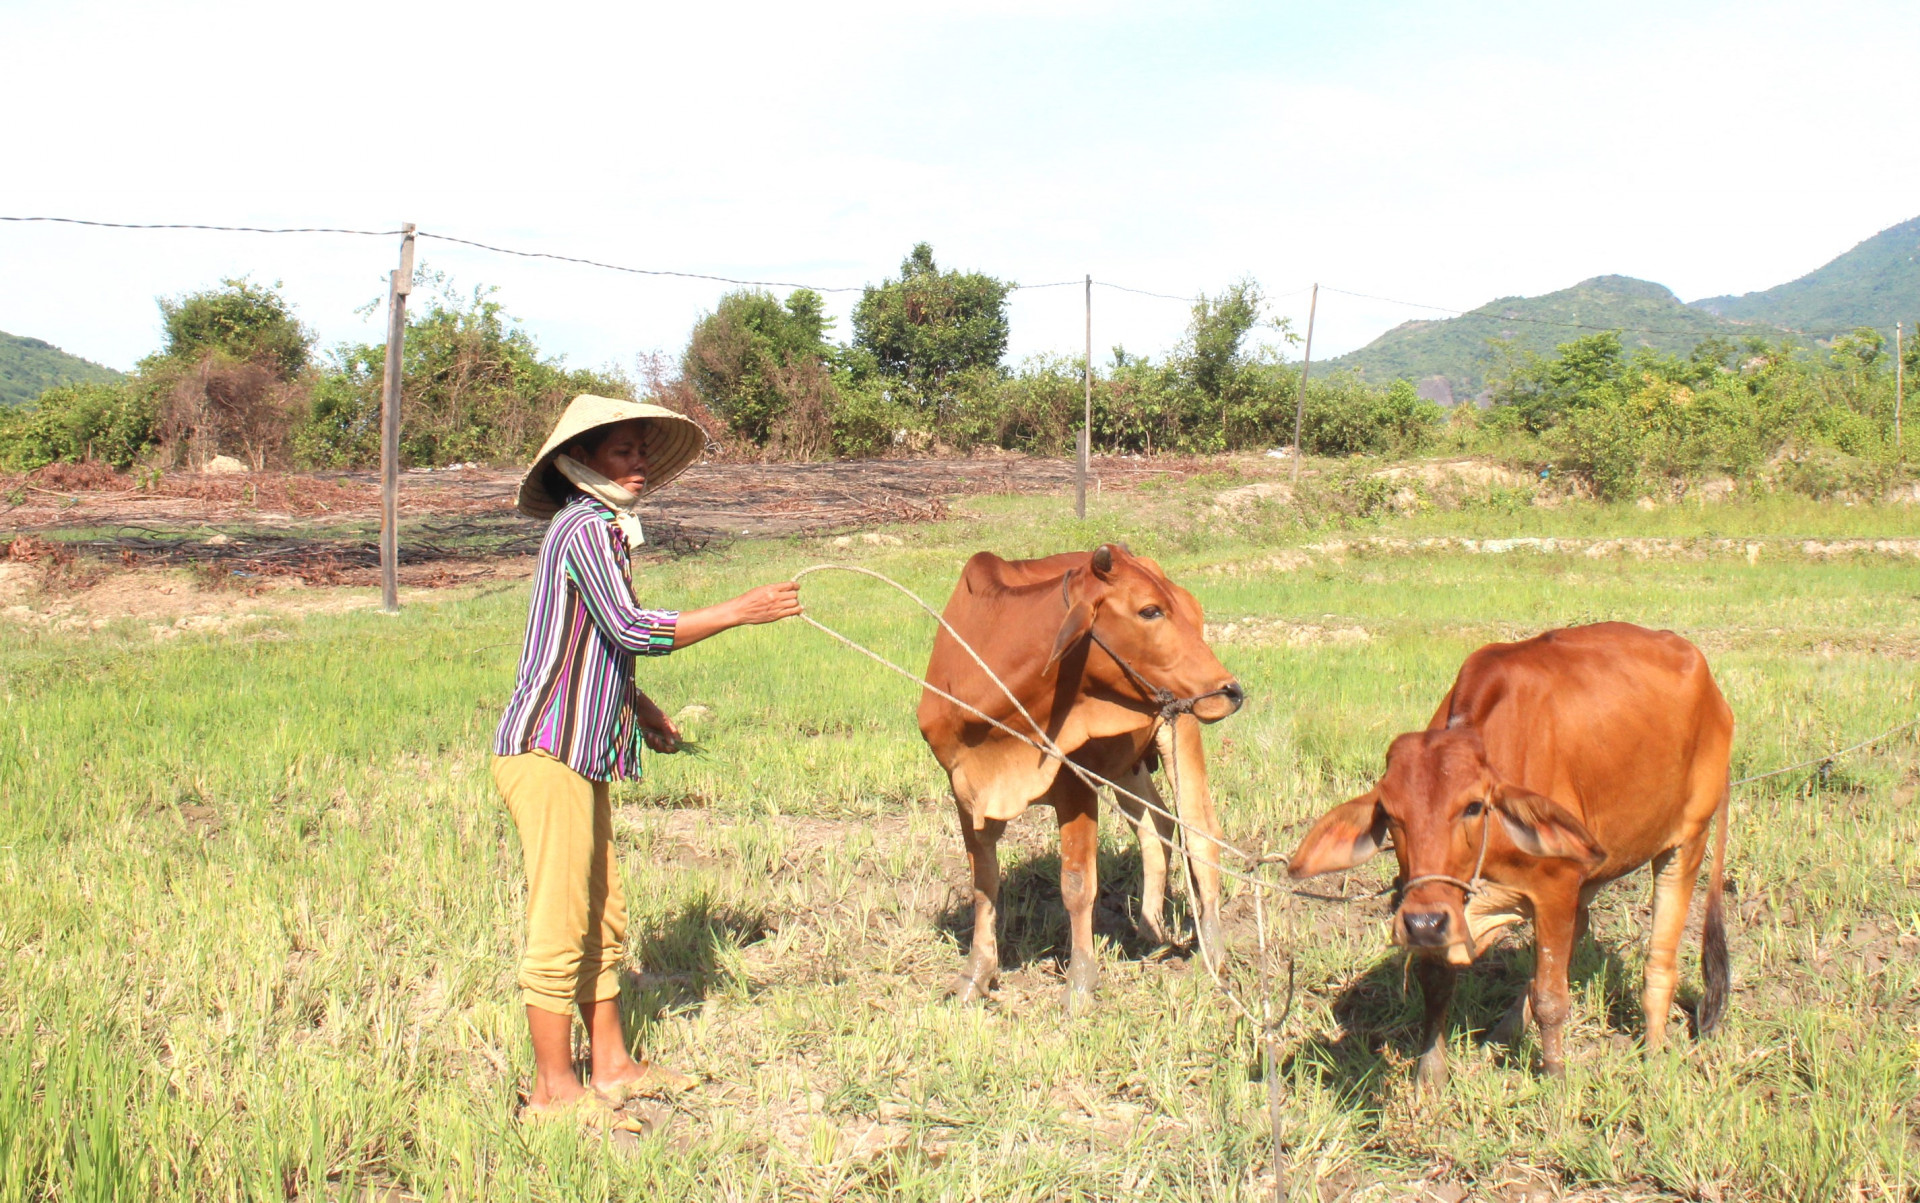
554, 1095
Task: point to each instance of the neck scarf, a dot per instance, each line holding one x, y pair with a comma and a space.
621, 501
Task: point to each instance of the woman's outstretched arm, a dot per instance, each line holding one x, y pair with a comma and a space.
591, 564
768, 603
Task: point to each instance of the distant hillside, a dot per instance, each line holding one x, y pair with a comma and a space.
29, 367
1449, 357
1874, 284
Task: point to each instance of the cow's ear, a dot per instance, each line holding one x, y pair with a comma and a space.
1539, 826
1345, 836
1078, 622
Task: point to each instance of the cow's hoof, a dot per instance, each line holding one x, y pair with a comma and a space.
1512, 1025
1430, 1075
1154, 932
1214, 948
1082, 977
967, 988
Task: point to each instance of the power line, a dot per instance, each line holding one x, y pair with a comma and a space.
1482, 312
499, 250
646, 271
636, 271
1165, 296
131, 225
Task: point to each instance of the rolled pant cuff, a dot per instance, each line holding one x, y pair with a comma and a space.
605, 986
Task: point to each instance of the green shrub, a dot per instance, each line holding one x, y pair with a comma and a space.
930, 324
866, 420
245, 321
474, 388
752, 359
342, 424
111, 423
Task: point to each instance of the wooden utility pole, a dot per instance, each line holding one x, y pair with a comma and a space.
1300, 410
399, 284
1086, 417
1899, 380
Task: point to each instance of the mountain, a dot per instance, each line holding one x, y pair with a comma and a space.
1449, 357
29, 367
1875, 284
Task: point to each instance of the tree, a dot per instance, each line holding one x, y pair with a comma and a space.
476, 387
247, 322
1583, 372
228, 380
755, 361
1211, 357
929, 324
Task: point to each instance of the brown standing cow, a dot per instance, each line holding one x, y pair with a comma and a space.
1094, 646
1599, 749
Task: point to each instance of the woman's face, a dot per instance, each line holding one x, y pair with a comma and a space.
620, 457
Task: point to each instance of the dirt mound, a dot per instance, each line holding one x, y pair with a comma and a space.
1271, 491
88, 477
1470, 473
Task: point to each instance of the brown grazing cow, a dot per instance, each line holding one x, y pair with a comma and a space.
1108, 655
1599, 749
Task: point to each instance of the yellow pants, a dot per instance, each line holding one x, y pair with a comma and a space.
576, 911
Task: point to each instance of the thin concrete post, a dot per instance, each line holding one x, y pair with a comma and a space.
399, 285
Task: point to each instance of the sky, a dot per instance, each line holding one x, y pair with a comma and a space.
1442, 154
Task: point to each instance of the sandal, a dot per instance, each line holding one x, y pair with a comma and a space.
652, 1079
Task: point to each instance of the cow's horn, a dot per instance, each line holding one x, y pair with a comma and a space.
1103, 559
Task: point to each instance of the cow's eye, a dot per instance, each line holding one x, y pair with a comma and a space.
1473, 808
1150, 612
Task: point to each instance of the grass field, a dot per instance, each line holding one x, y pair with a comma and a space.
259, 905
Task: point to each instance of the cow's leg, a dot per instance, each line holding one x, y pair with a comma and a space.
1674, 874
1436, 995
1184, 759
1075, 804
1553, 926
1513, 1024
983, 959
1155, 829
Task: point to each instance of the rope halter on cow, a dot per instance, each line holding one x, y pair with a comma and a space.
1168, 702
1469, 888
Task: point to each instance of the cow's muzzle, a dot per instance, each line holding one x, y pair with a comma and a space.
1440, 932
1226, 700
1427, 929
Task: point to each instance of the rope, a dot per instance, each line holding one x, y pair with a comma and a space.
1267, 1025
1826, 762
1045, 744
1471, 888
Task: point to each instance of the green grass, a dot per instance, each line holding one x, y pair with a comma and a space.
259, 905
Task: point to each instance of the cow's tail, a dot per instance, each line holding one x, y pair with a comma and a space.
1713, 936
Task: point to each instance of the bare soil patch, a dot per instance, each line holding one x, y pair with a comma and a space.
259, 544
710, 501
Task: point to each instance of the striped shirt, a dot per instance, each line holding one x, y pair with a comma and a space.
575, 696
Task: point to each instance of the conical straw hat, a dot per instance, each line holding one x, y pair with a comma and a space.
672, 443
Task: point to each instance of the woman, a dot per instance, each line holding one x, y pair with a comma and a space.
575, 720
